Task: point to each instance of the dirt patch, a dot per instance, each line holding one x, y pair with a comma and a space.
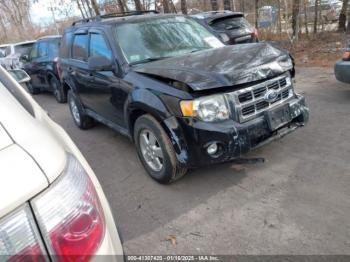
322, 50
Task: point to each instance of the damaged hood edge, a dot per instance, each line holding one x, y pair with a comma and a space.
221, 67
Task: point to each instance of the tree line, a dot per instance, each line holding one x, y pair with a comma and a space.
16, 22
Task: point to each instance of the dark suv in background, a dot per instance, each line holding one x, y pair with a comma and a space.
230, 27
182, 96
42, 65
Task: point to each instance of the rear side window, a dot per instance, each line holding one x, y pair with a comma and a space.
99, 46
54, 45
79, 49
34, 52
231, 23
65, 45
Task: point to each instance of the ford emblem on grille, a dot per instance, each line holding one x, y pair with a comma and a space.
271, 96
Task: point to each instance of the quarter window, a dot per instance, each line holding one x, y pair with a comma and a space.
79, 50
99, 46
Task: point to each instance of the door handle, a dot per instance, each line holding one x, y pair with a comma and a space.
90, 77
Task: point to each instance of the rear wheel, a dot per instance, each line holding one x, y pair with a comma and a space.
57, 90
31, 89
81, 119
155, 151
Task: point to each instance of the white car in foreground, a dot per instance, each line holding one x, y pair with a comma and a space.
51, 203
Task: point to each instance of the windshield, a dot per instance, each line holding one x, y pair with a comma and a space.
144, 41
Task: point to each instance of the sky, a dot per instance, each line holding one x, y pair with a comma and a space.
41, 14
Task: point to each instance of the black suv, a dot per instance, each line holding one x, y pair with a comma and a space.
230, 27
42, 66
184, 98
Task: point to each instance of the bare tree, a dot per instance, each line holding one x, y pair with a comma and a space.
214, 5
342, 17
316, 16
95, 7
306, 18
80, 9
166, 6
227, 5
295, 18
256, 13
184, 7
279, 21
138, 5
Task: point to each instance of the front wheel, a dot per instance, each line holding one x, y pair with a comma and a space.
80, 118
155, 151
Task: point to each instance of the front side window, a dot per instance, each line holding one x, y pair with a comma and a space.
99, 46
79, 49
158, 38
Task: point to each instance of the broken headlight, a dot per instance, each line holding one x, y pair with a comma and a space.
208, 109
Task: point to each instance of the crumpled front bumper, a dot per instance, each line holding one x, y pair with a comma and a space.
234, 139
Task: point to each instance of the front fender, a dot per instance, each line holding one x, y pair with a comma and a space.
145, 100
175, 133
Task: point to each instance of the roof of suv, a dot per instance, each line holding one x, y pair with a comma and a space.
49, 37
119, 18
213, 15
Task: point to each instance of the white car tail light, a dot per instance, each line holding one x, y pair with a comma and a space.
19, 237
70, 216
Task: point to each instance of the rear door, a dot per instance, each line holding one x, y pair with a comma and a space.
36, 68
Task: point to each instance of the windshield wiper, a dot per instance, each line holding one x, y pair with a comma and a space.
150, 59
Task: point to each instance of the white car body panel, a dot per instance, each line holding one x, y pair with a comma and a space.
44, 146
30, 134
24, 179
5, 140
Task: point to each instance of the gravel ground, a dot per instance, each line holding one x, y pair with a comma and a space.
298, 202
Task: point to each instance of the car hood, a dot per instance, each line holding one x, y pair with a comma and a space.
222, 67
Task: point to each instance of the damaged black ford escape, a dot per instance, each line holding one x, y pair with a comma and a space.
184, 98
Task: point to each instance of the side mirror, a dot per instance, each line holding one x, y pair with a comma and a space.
24, 58
100, 63
19, 75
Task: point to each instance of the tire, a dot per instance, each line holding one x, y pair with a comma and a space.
32, 90
57, 90
80, 118
160, 151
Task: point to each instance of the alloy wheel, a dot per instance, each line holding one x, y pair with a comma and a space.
151, 150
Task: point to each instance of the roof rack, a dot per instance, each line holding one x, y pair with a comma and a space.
110, 15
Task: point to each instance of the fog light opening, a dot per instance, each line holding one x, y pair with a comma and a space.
212, 149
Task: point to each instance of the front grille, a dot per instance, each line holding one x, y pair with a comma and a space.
250, 102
